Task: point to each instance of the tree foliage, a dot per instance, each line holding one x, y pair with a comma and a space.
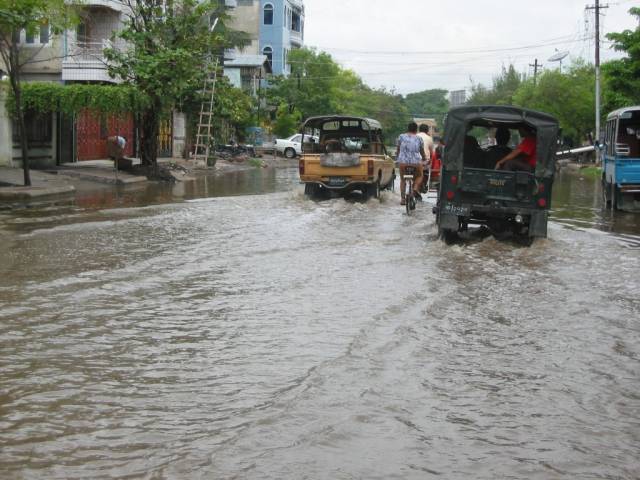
568, 96
169, 48
50, 97
317, 85
502, 91
432, 103
287, 121
622, 77
28, 16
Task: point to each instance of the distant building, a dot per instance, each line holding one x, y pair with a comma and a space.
457, 98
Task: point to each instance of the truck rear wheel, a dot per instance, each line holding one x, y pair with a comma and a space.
311, 189
373, 189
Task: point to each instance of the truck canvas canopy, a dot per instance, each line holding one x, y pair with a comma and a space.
461, 119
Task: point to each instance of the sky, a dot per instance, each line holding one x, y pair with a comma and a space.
415, 45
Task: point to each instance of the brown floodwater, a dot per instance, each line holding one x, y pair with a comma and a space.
230, 328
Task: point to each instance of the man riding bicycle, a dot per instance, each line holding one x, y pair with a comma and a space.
410, 154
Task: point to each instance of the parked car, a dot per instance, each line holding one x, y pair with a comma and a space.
292, 146
349, 156
508, 203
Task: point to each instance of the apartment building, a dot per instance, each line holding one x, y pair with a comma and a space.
275, 27
281, 30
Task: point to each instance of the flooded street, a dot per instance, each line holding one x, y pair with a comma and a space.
232, 329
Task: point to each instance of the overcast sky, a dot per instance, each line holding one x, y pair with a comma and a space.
413, 45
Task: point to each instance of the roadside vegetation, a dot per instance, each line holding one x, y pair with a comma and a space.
569, 95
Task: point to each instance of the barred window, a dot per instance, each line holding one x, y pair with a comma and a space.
39, 129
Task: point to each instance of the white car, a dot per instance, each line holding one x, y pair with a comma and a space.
292, 146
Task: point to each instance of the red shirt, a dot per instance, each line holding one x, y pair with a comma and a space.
528, 147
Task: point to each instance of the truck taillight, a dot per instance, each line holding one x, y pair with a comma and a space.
450, 195
301, 166
542, 203
370, 168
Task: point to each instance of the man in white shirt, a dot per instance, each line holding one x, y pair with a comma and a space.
427, 141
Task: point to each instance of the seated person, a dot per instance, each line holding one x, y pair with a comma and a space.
472, 152
331, 144
523, 158
498, 151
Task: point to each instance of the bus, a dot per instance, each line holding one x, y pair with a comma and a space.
621, 160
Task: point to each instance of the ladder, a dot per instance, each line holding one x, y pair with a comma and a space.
204, 136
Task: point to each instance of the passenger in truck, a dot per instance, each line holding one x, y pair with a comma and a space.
523, 158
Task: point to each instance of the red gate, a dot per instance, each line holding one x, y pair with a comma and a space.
93, 128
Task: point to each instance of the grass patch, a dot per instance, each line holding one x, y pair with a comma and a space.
256, 162
591, 172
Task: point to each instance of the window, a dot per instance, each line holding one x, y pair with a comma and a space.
268, 52
44, 33
39, 129
268, 14
30, 38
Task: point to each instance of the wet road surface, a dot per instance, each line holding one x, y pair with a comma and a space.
266, 336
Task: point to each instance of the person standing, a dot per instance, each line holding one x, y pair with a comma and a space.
410, 153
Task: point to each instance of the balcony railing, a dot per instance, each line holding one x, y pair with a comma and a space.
80, 51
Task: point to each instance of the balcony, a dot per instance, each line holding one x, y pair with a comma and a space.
85, 62
295, 38
115, 5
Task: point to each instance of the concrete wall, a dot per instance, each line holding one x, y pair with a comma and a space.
179, 134
246, 17
5, 131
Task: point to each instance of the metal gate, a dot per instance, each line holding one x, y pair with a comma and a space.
165, 138
93, 128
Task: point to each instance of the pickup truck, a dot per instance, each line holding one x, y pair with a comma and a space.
349, 155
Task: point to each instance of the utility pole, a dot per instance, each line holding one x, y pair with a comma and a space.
535, 66
597, 7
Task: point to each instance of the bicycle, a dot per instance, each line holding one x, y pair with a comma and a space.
409, 195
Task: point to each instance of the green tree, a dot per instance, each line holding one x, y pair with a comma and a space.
171, 46
622, 76
317, 85
287, 121
428, 102
28, 16
502, 91
568, 96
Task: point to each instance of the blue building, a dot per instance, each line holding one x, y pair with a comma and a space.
281, 30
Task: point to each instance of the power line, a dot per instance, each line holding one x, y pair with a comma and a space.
550, 42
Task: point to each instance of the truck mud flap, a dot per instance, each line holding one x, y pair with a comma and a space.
538, 224
449, 222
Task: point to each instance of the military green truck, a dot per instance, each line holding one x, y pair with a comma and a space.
473, 192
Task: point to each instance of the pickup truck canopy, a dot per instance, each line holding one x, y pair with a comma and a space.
317, 122
460, 119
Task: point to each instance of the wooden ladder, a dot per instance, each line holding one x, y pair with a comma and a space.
204, 136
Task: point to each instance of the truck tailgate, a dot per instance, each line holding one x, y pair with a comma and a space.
497, 185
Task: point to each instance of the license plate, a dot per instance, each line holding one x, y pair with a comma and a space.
460, 210
337, 181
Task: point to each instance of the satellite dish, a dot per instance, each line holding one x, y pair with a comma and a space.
559, 56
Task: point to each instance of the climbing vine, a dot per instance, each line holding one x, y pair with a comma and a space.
47, 97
